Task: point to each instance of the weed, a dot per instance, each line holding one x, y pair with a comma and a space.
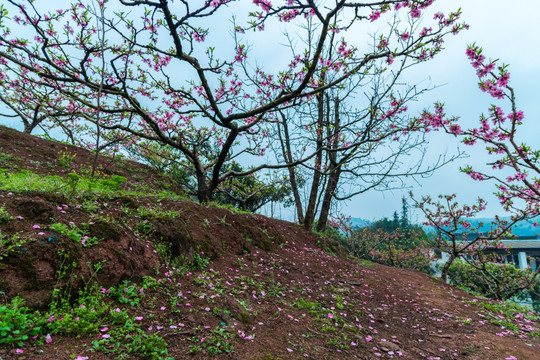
73, 180
218, 342
86, 316
4, 214
206, 223
222, 221
130, 339
149, 213
311, 306
7, 159
66, 160
469, 350
17, 323
127, 293
144, 227
114, 182
11, 244
199, 261
72, 232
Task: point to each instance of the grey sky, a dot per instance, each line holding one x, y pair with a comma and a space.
505, 32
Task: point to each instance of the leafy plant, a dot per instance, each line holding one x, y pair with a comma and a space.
66, 160
217, 343
74, 233
126, 293
85, 316
114, 182
17, 323
504, 281
4, 214
11, 244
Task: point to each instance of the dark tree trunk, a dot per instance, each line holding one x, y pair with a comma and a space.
204, 194
327, 200
444, 273
286, 150
310, 211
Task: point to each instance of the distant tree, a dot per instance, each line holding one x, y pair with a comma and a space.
406, 250
455, 234
404, 221
395, 220
407, 237
251, 192
386, 224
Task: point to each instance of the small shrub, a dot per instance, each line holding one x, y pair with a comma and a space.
17, 323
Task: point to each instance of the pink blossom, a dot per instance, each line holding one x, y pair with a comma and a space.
374, 16
415, 13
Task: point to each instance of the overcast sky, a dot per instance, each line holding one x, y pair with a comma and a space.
506, 30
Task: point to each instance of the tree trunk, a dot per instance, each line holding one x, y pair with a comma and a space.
310, 211
204, 195
327, 201
334, 170
444, 273
287, 154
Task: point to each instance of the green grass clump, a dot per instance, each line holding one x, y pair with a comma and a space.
73, 183
18, 323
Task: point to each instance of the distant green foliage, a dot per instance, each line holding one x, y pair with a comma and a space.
409, 236
501, 283
393, 242
250, 192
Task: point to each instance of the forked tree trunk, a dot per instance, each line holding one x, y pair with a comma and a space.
334, 169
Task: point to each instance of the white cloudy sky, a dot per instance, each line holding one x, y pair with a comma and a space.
506, 30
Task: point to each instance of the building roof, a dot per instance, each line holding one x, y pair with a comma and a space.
522, 244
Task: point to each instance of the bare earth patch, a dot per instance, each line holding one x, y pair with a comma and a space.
242, 286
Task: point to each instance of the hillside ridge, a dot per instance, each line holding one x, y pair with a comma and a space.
129, 267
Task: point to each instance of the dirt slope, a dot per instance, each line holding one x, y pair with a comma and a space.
204, 282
